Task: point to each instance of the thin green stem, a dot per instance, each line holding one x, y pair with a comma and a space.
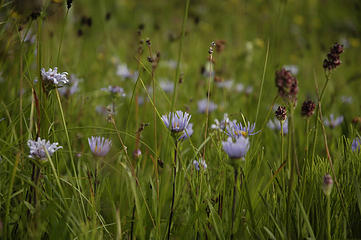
61, 37
7, 207
262, 82
69, 146
328, 217
177, 72
234, 199
173, 191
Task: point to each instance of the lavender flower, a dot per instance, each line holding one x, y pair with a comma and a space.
228, 84
237, 149
333, 122
99, 146
115, 90
172, 64
346, 99
72, 88
240, 87
202, 106
166, 85
123, 71
276, 125
201, 162
221, 125
235, 129
52, 79
177, 121
187, 132
356, 144
38, 148
248, 90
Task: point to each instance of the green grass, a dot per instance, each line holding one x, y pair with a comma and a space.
55, 199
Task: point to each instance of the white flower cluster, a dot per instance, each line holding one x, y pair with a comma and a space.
54, 78
38, 148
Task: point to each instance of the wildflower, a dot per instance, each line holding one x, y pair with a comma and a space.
346, 99
333, 57
287, 85
201, 162
72, 88
356, 144
228, 84
99, 146
327, 184
103, 110
204, 104
221, 125
172, 64
137, 153
292, 68
52, 79
39, 148
123, 71
166, 85
308, 108
333, 122
177, 121
276, 125
235, 129
281, 113
187, 132
240, 87
248, 90
115, 90
236, 149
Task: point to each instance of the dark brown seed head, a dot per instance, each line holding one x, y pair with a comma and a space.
287, 85
308, 108
281, 113
332, 59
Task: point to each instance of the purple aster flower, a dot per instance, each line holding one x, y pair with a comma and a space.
237, 149
115, 90
236, 130
177, 121
123, 71
240, 87
356, 144
228, 84
201, 162
333, 122
166, 85
276, 125
346, 99
221, 125
202, 106
38, 148
187, 132
52, 79
72, 88
99, 146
